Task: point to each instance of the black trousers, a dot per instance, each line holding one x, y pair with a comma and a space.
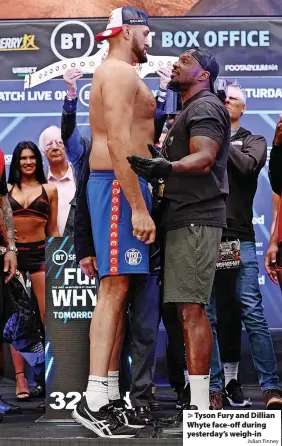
140, 340
229, 325
175, 351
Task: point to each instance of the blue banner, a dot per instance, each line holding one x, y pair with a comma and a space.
263, 95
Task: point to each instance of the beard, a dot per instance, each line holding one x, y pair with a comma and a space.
174, 85
139, 54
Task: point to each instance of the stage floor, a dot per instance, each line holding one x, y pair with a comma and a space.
29, 428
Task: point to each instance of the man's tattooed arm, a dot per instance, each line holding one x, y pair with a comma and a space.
9, 234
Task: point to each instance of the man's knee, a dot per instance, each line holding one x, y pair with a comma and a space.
115, 289
190, 313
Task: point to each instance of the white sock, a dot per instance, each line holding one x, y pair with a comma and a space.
200, 391
97, 392
230, 371
113, 387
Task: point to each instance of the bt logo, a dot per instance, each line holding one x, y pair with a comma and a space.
60, 257
72, 38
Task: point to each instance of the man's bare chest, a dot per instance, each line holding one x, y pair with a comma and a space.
145, 104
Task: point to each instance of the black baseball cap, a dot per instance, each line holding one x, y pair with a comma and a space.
207, 61
127, 15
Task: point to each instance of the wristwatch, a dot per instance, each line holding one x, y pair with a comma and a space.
13, 248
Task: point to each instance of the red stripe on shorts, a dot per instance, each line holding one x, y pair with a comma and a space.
115, 206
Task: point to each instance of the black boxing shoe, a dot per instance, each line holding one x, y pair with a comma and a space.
234, 396
104, 423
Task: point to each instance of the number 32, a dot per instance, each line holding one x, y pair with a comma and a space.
60, 402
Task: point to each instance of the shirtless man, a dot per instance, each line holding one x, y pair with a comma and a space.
122, 112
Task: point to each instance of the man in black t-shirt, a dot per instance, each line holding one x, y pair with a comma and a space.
195, 154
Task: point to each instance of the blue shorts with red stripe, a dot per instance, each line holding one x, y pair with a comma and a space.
117, 250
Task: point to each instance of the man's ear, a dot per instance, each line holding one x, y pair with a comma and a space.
244, 109
126, 31
204, 76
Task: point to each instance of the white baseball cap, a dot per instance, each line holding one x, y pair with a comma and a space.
127, 15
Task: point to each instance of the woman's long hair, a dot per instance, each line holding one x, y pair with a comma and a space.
15, 170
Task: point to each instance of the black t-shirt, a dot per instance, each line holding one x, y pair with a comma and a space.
197, 198
247, 156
